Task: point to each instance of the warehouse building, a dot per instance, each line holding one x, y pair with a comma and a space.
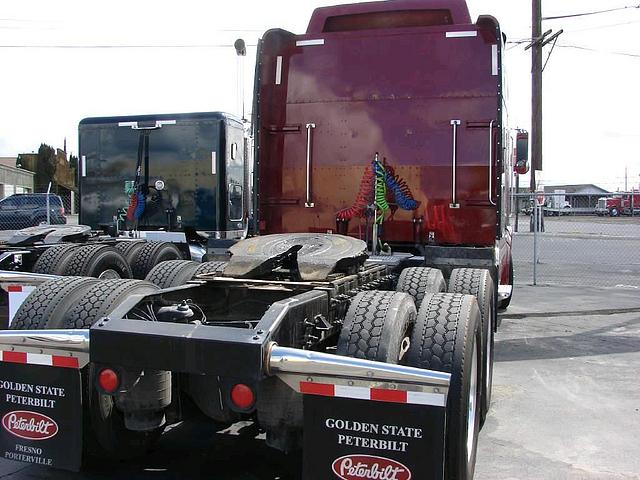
14, 179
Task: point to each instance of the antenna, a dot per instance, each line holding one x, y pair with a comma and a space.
241, 52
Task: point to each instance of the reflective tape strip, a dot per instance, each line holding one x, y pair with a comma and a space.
323, 389
278, 69
39, 359
471, 33
494, 60
353, 392
373, 394
309, 43
424, 398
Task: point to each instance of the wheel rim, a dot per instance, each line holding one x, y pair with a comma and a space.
109, 274
472, 403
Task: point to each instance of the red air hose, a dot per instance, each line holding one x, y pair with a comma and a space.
363, 199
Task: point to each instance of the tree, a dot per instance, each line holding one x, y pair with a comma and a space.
73, 162
45, 167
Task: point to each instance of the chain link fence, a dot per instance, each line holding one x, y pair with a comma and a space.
577, 239
25, 210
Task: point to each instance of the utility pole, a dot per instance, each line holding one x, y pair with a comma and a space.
536, 91
538, 40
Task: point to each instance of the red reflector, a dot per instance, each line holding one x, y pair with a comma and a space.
14, 288
108, 380
242, 396
14, 357
67, 362
383, 395
324, 389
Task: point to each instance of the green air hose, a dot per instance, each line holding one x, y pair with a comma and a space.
380, 190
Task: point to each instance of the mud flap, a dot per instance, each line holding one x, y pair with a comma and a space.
350, 439
41, 414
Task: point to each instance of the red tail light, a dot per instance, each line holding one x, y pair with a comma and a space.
242, 396
108, 380
62, 210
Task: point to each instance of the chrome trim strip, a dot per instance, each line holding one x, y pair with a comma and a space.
24, 278
58, 340
285, 360
494, 60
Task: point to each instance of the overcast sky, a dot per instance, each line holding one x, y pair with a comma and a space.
591, 100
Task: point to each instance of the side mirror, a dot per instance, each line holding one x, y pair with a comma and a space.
522, 153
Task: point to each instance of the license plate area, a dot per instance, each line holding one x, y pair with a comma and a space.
41, 415
354, 439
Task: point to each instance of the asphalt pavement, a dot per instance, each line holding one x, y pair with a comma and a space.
566, 404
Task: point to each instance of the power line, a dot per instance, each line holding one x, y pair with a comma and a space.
578, 47
590, 13
597, 27
219, 45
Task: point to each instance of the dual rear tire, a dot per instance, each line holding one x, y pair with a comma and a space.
78, 302
478, 282
444, 335
124, 259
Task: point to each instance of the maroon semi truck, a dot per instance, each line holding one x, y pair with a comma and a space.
416, 84
357, 323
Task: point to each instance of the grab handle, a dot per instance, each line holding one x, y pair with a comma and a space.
308, 203
454, 201
491, 162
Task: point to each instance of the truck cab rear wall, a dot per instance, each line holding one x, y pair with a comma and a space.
370, 94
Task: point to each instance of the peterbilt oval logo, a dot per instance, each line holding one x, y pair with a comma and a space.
29, 425
369, 467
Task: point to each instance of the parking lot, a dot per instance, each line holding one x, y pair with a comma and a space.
563, 405
580, 251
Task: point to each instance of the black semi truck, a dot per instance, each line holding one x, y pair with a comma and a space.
152, 188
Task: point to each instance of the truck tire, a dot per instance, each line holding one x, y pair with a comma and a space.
446, 338
376, 325
105, 423
47, 305
102, 298
130, 249
151, 254
99, 261
210, 267
416, 281
49, 260
172, 273
478, 282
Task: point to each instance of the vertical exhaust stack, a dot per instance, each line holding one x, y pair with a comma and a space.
241, 52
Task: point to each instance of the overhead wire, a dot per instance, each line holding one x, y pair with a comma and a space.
578, 47
219, 45
596, 12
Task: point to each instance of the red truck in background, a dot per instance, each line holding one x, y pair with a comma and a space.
621, 204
